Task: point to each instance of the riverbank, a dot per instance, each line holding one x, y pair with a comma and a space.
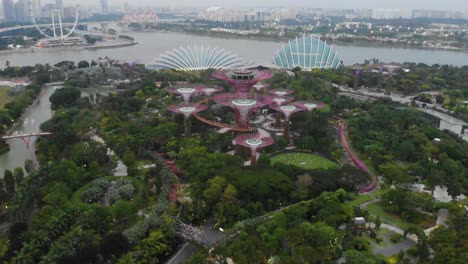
20, 120
333, 42
72, 48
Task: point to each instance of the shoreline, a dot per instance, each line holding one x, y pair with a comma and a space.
72, 48
285, 40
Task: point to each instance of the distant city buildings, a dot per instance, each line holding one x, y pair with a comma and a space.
104, 9
22, 10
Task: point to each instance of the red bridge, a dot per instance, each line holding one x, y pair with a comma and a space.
27, 137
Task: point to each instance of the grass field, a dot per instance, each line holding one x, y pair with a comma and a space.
360, 199
4, 98
377, 209
304, 160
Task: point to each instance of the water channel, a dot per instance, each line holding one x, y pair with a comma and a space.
37, 114
152, 44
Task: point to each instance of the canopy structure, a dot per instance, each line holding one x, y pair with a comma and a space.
253, 142
243, 104
242, 80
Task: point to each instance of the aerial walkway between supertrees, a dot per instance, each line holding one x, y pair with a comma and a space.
253, 142
242, 80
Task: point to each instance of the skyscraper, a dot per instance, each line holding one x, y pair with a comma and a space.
59, 6
36, 8
9, 11
104, 7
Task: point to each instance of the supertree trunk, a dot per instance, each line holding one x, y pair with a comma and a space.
286, 132
188, 126
253, 157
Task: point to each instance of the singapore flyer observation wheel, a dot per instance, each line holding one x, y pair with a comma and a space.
57, 29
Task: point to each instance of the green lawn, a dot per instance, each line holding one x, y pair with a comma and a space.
4, 98
304, 160
360, 199
377, 209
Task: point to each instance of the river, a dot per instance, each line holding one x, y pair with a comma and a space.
38, 114
152, 44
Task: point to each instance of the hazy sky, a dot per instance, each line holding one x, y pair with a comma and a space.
426, 4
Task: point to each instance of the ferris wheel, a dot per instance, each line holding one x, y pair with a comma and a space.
57, 29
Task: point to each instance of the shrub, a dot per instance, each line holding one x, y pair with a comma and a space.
92, 195
113, 195
101, 183
127, 191
395, 238
122, 182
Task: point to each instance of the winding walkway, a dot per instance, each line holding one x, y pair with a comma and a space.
344, 141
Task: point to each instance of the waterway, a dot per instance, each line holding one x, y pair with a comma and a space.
152, 44
38, 114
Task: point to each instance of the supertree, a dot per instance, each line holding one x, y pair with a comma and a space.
310, 106
287, 111
281, 92
260, 86
209, 91
185, 92
244, 105
391, 69
357, 76
279, 101
253, 142
282, 100
187, 111
242, 80
129, 66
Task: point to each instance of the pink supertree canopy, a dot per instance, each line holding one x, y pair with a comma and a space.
288, 109
281, 92
243, 104
260, 86
209, 91
187, 110
185, 92
281, 100
253, 142
310, 105
242, 80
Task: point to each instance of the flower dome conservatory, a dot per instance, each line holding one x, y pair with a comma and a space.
197, 58
307, 53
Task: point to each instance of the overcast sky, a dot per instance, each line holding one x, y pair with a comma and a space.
426, 4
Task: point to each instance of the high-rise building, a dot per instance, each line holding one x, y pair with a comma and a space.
104, 7
36, 8
59, 6
22, 8
9, 11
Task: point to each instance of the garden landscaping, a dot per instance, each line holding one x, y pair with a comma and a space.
304, 160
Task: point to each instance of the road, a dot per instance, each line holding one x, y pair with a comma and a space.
185, 252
